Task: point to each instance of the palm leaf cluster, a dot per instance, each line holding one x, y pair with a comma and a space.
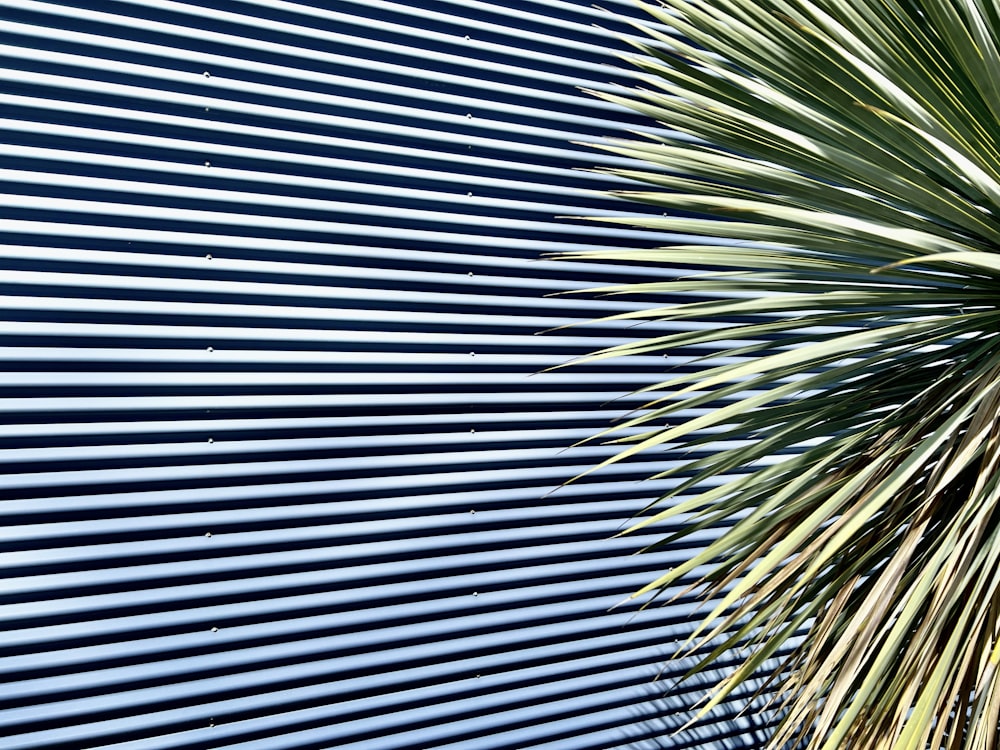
844, 156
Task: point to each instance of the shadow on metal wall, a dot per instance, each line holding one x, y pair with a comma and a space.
276, 460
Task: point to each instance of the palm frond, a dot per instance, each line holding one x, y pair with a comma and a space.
844, 156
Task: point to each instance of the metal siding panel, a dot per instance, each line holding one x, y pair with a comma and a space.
277, 460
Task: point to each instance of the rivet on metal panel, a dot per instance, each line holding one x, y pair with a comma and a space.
469, 194
208, 163
472, 354
471, 273
211, 440
208, 533
475, 593
473, 511
207, 74
466, 37
469, 116
210, 350
208, 257
215, 630
473, 430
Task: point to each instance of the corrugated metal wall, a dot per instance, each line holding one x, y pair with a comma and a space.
276, 461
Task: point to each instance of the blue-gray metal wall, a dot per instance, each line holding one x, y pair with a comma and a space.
276, 461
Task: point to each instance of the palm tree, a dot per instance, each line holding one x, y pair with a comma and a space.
844, 159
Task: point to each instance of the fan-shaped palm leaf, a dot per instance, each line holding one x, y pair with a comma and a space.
846, 154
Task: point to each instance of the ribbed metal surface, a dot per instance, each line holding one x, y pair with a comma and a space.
275, 460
